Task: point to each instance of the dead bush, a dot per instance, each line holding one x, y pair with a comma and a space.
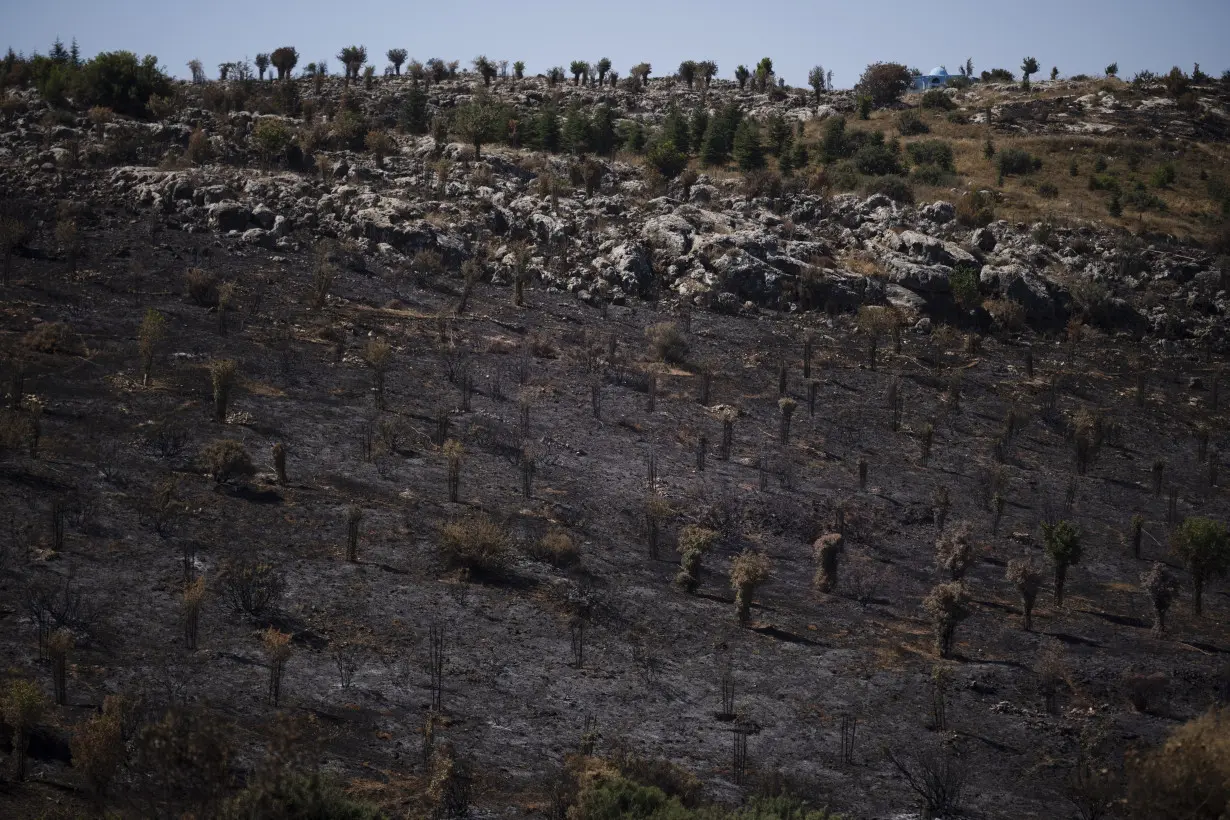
477, 547
251, 585
227, 460
54, 337
1188, 776
748, 571
557, 549
666, 343
201, 287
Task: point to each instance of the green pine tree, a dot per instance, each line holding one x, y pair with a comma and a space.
698, 127
577, 130
547, 130
713, 147
748, 150
602, 133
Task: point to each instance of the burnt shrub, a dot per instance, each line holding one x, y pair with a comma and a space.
477, 546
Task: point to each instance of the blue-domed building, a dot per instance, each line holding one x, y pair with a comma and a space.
938, 78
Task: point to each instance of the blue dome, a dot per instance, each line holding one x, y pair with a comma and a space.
938, 72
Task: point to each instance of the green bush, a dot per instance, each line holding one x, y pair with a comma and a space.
121, 82
843, 175
964, 283
936, 98
896, 188
748, 149
933, 175
271, 137
1164, 175
290, 796
666, 159
1142, 199
910, 123
884, 83
349, 130
1016, 161
1048, 191
877, 160
932, 152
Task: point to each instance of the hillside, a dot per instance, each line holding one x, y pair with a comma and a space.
505, 388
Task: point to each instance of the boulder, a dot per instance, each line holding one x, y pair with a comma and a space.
229, 215
939, 212
670, 233
750, 278
1026, 289
916, 277
929, 249
631, 268
264, 216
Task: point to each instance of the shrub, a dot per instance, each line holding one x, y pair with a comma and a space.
938, 99
1063, 545
1188, 776
1048, 191
290, 794
1016, 161
666, 159
120, 81
976, 209
1161, 589
479, 547
895, 188
347, 130
380, 144
884, 83
964, 284
251, 585
826, 550
931, 152
666, 343
22, 706
1204, 546
54, 337
1164, 175
1177, 83
947, 605
954, 552
1007, 314
762, 183
271, 137
98, 750
877, 160
694, 542
910, 123
1023, 575
748, 571
557, 549
227, 460
748, 151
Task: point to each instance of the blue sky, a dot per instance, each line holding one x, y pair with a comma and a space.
1078, 36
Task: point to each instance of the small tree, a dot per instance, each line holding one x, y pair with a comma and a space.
262, 65
1028, 66
1185, 777
1112, 70
378, 354
787, 407
826, 550
519, 69
380, 144
687, 72
98, 749
278, 650
1027, 579
193, 597
578, 68
815, 78
354, 517
742, 75
602, 67
227, 460
223, 374
397, 56
748, 571
884, 83
954, 552
485, 69
150, 334
284, 59
1162, 590
1203, 545
479, 122
1063, 545
454, 453
59, 644
694, 542
22, 707
947, 605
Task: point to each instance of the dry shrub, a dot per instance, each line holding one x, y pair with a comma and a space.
98, 749
478, 546
227, 460
557, 549
666, 343
748, 571
201, 287
1008, 315
251, 585
976, 209
54, 337
1188, 776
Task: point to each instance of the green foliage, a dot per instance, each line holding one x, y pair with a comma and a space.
618, 798
675, 128
1204, 546
602, 131
877, 160
1017, 161
118, 80
666, 159
1142, 199
719, 136
748, 150
937, 99
578, 130
481, 121
778, 134
632, 135
271, 137
1063, 542
1029, 66
910, 123
932, 152
697, 127
964, 282
414, 117
896, 188
884, 83
546, 131
1177, 83
348, 130
998, 75
741, 76
297, 797
1164, 175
